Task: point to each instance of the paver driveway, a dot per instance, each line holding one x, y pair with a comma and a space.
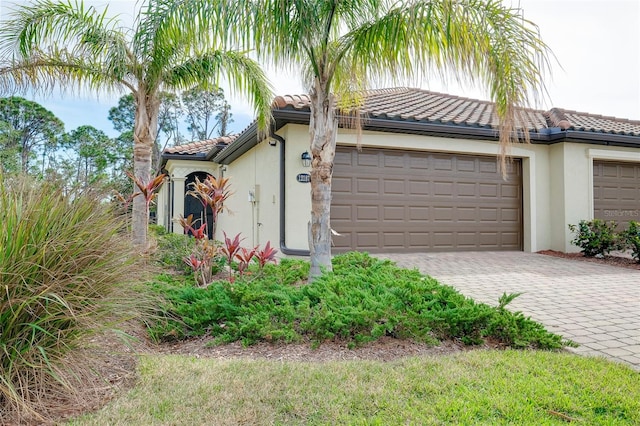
597, 306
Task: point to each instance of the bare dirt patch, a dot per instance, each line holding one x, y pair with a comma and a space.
613, 260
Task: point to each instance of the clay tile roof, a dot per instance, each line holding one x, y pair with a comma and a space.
407, 104
597, 123
200, 147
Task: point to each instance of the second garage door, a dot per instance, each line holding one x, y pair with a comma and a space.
404, 201
616, 191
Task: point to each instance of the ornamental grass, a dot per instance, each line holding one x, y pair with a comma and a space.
66, 269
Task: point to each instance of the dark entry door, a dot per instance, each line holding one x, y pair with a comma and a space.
192, 205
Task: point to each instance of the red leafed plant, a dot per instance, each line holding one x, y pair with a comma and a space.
212, 192
230, 249
267, 254
189, 226
244, 257
148, 190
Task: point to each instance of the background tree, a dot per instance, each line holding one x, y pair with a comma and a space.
207, 113
94, 154
346, 47
172, 46
28, 129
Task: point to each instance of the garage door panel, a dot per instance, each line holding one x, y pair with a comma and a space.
466, 189
443, 188
367, 213
394, 213
420, 201
488, 166
419, 213
341, 213
488, 190
508, 190
368, 185
419, 187
394, 186
465, 165
394, 239
467, 214
342, 158
442, 163
341, 184
418, 162
443, 240
367, 159
394, 161
509, 215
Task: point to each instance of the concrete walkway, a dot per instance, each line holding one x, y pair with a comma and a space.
597, 306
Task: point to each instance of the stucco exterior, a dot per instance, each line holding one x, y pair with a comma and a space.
557, 184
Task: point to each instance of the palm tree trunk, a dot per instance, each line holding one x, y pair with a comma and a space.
324, 125
144, 135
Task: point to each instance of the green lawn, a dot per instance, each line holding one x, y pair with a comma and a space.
476, 387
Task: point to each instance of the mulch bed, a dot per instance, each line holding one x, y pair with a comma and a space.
613, 260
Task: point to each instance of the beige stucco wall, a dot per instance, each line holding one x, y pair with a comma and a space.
557, 184
255, 216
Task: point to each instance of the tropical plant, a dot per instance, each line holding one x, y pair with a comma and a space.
172, 46
595, 237
244, 257
345, 47
66, 272
212, 193
229, 250
631, 239
266, 254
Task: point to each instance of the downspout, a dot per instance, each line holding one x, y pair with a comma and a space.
283, 239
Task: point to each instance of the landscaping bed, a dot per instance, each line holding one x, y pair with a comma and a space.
613, 260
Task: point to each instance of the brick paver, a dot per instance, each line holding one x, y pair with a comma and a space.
597, 306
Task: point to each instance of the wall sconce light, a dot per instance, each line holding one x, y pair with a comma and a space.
306, 159
273, 142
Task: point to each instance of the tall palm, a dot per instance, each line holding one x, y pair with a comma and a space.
347, 46
172, 46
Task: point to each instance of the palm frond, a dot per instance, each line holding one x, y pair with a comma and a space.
479, 42
66, 36
242, 73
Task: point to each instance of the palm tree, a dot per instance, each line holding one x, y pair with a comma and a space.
347, 46
172, 46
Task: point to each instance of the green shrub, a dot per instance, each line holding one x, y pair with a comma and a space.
631, 239
595, 237
363, 299
172, 249
66, 269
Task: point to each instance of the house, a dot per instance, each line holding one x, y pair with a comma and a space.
425, 178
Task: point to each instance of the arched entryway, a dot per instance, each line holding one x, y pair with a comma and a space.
192, 205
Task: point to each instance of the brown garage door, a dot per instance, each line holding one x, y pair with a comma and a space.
403, 201
616, 191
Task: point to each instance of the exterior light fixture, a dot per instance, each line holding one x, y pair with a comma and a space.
306, 159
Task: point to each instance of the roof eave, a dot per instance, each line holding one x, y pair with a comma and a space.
599, 138
243, 143
199, 156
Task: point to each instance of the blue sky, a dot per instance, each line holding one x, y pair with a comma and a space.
596, 42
